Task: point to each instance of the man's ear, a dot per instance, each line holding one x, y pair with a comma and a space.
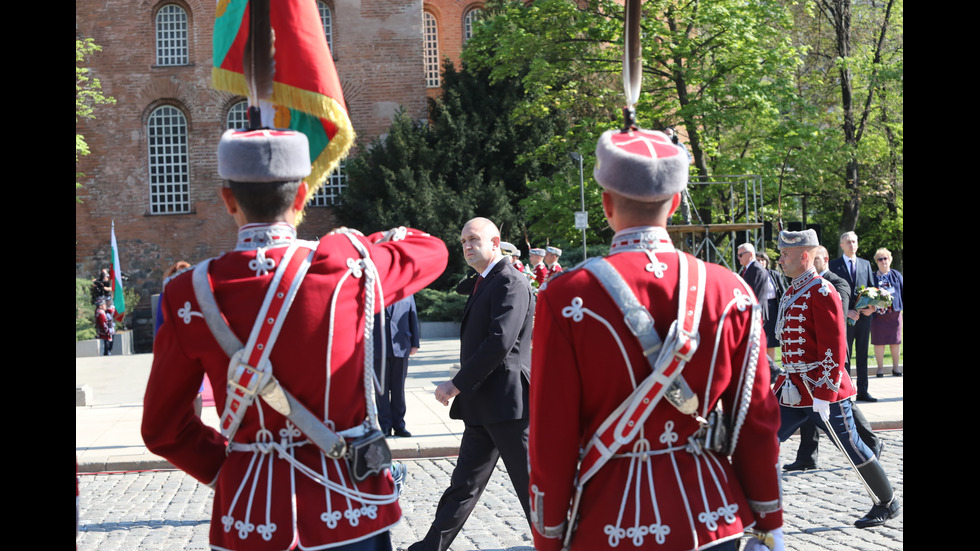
675, 202
607, 204
231, 205
300, 199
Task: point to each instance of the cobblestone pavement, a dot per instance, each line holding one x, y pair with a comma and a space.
170, 511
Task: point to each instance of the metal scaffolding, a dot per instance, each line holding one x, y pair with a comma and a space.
740, 220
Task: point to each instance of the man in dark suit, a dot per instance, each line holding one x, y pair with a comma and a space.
806, 455
490, 392
754, 274
858, 273
401, 340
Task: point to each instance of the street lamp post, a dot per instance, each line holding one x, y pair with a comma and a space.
581, 217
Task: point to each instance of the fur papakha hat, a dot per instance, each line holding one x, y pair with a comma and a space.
805, 238
643, 165
264, 155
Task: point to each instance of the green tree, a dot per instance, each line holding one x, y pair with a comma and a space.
88, 95
848, 168
720, 69
471, 159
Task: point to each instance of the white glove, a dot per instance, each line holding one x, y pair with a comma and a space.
823, 408
394, 234
757, 544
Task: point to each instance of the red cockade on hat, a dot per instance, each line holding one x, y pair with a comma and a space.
647, 144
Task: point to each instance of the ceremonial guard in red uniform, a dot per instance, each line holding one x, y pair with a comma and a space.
105, 326
536, 267
815, 384
289, 320
652, 363
551, 255
508, 249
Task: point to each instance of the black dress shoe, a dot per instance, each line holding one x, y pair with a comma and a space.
866, 398
799, 466
879, 514
402, 433
896, 373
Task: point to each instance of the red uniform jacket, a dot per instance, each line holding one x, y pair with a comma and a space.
812, 338
262, 501
581, 371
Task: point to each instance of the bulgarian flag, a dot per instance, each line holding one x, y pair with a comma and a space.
306, 94
118, 301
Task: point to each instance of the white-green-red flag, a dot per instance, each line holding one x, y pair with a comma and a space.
118, 301
306, 93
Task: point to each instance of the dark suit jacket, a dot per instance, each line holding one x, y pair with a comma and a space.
843, 289
495, 349
401, 328
864, 277
758, 278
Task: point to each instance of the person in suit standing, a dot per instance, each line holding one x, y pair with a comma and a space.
806, 455
490, 392
754, 274
858, 273
401, 341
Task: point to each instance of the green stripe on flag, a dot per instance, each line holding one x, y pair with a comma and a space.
226, 27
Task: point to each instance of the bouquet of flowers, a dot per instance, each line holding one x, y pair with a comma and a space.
871, 296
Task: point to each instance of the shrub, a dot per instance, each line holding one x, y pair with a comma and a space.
436, 305
84, 311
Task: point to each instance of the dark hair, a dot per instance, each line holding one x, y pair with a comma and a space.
264, 201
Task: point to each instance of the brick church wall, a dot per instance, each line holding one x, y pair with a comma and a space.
377, 44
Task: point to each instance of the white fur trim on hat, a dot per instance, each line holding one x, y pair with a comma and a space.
806, 238
640, 164
554, 250
536, 252
265, 155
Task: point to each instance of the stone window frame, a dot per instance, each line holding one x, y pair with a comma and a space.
172, 36
325, 10
168, 161
328, 194
237, 115
468, 19
430, 50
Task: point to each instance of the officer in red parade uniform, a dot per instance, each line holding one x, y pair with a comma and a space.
679, 444
539, 272
815, 385
304, 312
514, 254
551, 255
105, 326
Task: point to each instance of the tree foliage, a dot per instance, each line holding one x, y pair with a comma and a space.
754, 86
471, 159
850, 83
88, 95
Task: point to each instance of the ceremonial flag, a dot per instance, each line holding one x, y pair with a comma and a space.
118, 301
306, 95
